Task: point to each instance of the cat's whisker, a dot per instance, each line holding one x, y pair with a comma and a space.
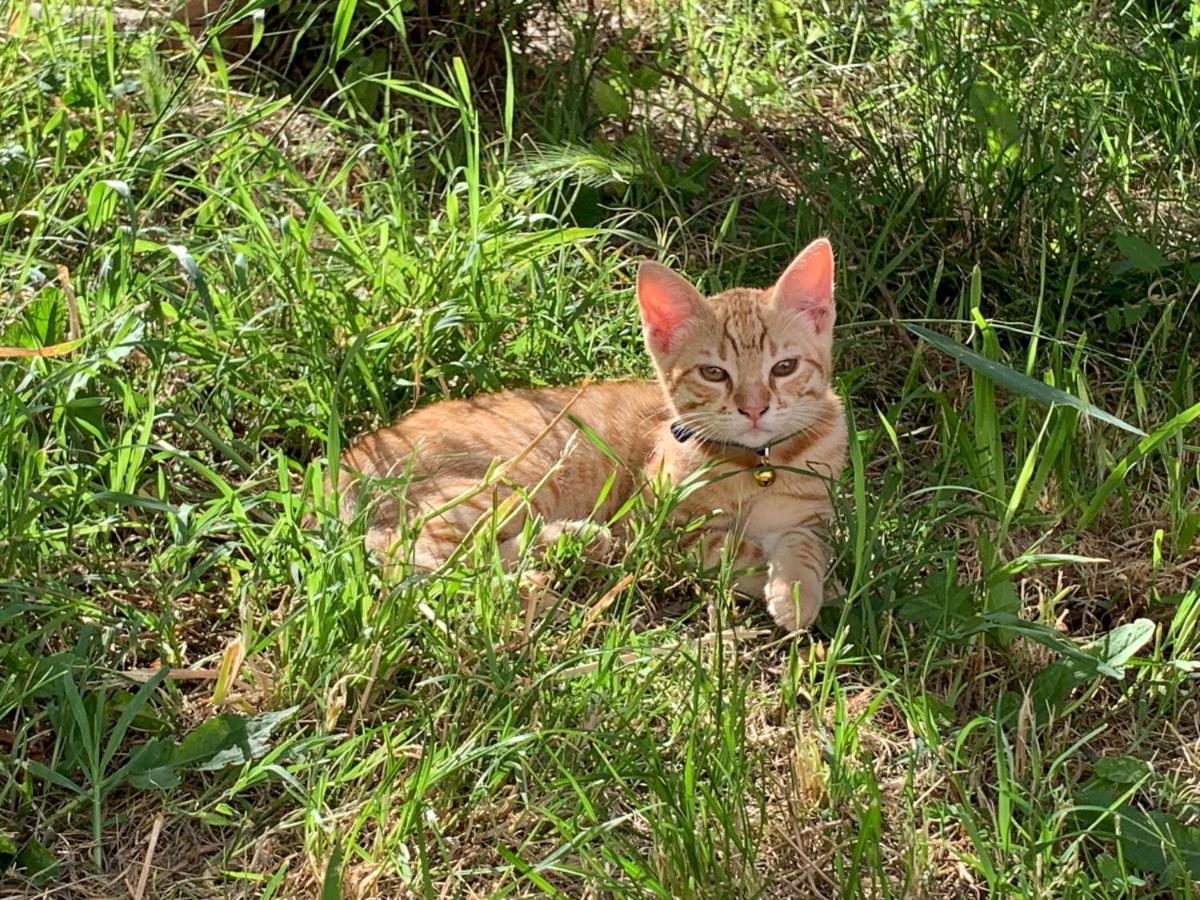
702, 427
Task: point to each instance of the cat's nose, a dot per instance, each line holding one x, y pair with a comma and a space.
753, 413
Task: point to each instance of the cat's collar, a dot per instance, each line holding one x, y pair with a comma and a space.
764, 472
683, 434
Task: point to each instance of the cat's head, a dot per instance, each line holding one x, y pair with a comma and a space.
747, 366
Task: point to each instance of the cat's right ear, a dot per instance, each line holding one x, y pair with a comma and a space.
667, 303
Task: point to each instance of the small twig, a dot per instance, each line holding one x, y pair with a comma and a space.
64, 281
624, 659
365, 699
428, 612
606, 601
150, 845
172, 674
32, 352
894, 312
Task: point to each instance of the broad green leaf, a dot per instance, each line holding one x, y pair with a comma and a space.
37, 863
644, 78
1158, 842
101, 205
102, 202
225, 740
230, 739
160, 778
1017, 382
1121, 770
993, 116
1150, 841
1141, 254
149, 766
783, 16
609, 100
1122, 643
1105, 656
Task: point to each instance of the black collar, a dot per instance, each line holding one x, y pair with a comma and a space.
764, 472
683, 434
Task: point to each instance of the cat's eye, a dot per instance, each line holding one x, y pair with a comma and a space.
713, 373
784, 367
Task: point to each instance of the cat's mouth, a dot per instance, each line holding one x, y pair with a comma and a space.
754, 435
760, 433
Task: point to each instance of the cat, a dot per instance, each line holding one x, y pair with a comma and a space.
743, 387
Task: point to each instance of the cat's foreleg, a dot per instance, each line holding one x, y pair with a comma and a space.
795, 589
721, 541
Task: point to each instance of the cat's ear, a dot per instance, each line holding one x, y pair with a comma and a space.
667, 302
807, 286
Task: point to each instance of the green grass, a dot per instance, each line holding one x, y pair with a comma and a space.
258, 264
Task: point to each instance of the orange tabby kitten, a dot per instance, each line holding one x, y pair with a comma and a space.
743, 387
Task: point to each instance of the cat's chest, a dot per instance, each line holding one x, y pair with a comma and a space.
761, 504
738, 490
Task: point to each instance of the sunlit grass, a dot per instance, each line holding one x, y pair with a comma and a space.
234, 280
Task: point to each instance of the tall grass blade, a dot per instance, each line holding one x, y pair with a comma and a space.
1015, 381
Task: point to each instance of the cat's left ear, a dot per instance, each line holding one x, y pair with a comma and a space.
807, 286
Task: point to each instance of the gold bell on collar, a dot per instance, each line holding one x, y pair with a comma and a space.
764, 473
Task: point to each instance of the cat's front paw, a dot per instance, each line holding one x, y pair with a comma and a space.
794, 604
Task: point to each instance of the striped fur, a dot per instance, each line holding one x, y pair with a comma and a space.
441, 454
